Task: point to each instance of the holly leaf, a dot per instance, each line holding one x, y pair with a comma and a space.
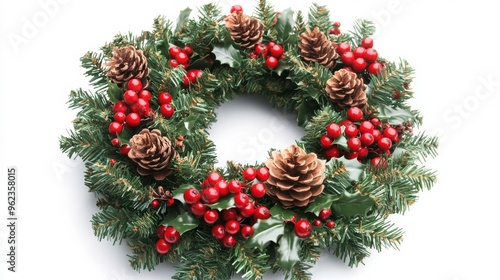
223, 203
284, 25
278, 211
266, 231
183, 19
321, 202
288, 251
393, 116
305, 112
125, 136
350, 205
199, 63
282, 66
183, 222
114, 92
354, 167
227, 54
178, 194
341, 141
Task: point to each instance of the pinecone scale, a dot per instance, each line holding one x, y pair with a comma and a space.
126, 64
245, 30
315, 46
346, 90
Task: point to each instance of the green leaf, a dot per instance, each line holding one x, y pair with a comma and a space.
354, 167
278, 211
227, 54
341, 141
199, 63
125, 136
223, 203
393, 116
306, 112
350, 205
183, 222
284, 25
282, 66
321, 202
179, 192
183, 19
266, 231
114, 92
288, 251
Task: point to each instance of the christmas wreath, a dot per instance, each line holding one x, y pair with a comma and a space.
143, 136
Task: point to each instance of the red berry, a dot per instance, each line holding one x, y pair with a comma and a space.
133, 120
182, 58
378, 162
354, 144
261, 213
343, 47
198, 73
384, 144
359, 52
199, 209
120, 106
262, 174
366, 127
144, 94
276, 51
174, 63
330, 224
325, 214
164, 98
232, 227
333, 152
252, 56
391, 133
258, 190
214, 178
167, 110
367, 43
115, 142
396, 94
130, 97
174, 51
348, 58
370, 55
247, 210
223, 188
336, 32
367, 139
261, 49
333, 131
192, 196
249, 174
234, 187
346, 123
170, 202
272, 62
191, 74
317, 223
218, 231
351, 131
240, 200
124, 149
162, 247
236, 8
135, 85
270, 45
359, 65
362, 153
188, 50
325, 142
211, 216
355, 114
336, 24
229, 241
119, 117
155, 204
141, 107
376, 134
331, 31
160, 231
375, 121
247, 232
229, 214
171, 235
302, 228
205, 184
210, 195
348, 69
375, 68
115, 128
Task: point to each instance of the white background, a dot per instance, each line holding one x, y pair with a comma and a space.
451, 233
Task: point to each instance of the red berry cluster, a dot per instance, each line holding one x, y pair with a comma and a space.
229, 222
168, 236
361, 58
303, 228
335, 30
182, 57
166, 109
365, 138
272, 52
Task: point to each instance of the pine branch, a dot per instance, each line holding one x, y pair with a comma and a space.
319, 16
301, 25
95, 69
266, 14
144, 255
362, 28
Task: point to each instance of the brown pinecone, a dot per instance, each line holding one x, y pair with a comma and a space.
296, 178
126, 64
346, 90
315, 46
152, 153
245, 30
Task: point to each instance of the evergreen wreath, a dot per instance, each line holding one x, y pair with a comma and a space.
143, 136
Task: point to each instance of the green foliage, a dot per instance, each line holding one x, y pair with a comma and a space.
319, 16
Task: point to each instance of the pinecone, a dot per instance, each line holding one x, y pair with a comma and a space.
152, 153
245, 30
315, 46
126, 64
296, 178
346, 90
